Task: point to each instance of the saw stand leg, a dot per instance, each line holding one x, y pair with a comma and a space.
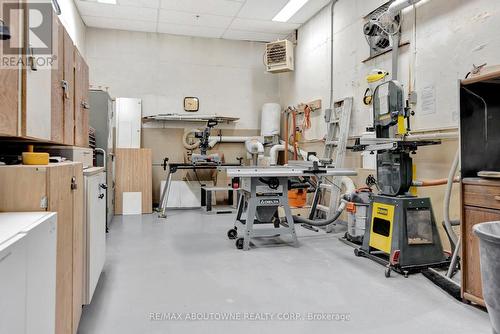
249, 202
248, 233
164, 197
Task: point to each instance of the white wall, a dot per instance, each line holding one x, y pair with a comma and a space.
72, 21
451, 35
227, 76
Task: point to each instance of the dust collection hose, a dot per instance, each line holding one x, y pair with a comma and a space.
325, 222
447, 197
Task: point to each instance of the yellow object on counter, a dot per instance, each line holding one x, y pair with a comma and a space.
35, 158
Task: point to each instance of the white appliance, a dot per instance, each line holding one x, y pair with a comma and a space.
94, 229
279, 56
73, 153
128, 122
28, 243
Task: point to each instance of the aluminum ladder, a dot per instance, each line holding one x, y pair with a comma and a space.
338, 122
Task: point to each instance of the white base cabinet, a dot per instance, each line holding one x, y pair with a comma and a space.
28, 272
95, 229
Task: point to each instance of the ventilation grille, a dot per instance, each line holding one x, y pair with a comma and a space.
276, 53
377, 39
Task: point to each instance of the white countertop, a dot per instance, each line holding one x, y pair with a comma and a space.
13, 223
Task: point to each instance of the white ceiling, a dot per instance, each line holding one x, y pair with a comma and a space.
229, 19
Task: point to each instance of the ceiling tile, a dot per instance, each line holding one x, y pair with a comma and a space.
261, 9
206, 20
189, 30
263, 26
119, 24
140, 3
115, 11
252, 36
214, 7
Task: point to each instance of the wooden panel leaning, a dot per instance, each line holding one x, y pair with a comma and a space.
133, 174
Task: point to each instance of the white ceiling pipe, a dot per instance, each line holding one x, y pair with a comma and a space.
398, 5
254, 146
214, 140
232, 139
273, 153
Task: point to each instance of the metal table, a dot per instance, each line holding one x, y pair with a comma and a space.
262, 191
174, 167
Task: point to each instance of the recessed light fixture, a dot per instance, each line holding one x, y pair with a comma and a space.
108, 2
289, 10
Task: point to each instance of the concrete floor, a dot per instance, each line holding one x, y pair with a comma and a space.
186, 264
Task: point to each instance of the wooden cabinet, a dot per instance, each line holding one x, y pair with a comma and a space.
45, 100
81, 101
480, 203
57, 188
57, 94
9, 79
69, 91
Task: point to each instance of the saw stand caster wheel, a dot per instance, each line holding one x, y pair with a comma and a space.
406, 273
239, 243
357, 252
232, 234
388, 272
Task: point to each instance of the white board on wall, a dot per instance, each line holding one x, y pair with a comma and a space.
128, 122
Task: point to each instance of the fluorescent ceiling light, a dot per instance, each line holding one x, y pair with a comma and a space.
109, 2
289, 10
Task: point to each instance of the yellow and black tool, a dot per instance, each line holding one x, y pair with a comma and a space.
402, 234
373, 79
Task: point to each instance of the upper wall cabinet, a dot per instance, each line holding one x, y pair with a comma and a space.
68, 84
38, 72
58, 87
81, 101
47, 98
9, 76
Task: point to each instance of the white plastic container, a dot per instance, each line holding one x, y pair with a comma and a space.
270, 119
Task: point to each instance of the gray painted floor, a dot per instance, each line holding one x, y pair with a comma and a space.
186, 264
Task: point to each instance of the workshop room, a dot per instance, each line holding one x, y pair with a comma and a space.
249, 166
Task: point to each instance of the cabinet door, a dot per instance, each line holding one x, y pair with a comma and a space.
69, 82
13, 285
61, 201
41, 277
96, 231
23, 188
37, 115
9, 77
81, 101
470, 249
57, 126
78, 230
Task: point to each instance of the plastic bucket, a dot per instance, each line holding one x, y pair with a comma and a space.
489, 247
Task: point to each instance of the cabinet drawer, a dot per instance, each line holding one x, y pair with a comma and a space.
481, 196
471, 268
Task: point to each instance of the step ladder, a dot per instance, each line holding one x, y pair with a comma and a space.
338, 122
